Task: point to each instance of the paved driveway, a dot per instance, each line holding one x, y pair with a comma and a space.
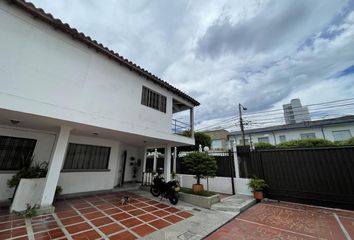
272, 220
96, 217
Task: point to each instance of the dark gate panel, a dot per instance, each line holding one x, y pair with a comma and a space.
321, 176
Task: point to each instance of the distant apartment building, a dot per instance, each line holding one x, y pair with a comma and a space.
335, 129
294, 112
219, 139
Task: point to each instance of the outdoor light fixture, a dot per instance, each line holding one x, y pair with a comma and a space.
15, 121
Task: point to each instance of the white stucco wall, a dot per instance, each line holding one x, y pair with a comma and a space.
58, 77
295, 134
85, 181
217, 184
42, 152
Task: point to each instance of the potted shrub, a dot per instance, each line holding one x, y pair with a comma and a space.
257, 185
201, 165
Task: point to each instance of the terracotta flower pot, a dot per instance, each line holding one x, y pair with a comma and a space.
197, 188
258, 195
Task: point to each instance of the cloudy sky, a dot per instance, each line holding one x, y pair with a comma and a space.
258, 53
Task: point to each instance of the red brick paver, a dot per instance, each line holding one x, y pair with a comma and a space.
95, 217
287, 221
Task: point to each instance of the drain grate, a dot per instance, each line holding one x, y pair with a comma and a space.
186, 235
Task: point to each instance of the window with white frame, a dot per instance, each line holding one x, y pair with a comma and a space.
307, 135
153, 99
216, 144
263, 139
341, 135
282, 138
86, 157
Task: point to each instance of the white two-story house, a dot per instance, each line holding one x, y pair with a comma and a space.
69, 101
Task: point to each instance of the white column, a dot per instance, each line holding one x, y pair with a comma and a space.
144, 160
55, 166
191, 121
167, 163
174, 159
155, 161
237, 172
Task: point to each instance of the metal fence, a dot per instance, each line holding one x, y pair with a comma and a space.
322, 176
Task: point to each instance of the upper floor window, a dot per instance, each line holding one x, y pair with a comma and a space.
15, 151
341, 135
81, 157
263, 140
282, 138
307, 135
153, 99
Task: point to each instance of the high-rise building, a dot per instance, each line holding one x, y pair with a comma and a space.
294, 112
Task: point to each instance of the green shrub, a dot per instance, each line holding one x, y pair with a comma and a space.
262, 145
200, 139
200, 164
349, 142
306, 143
257, 184
35, 171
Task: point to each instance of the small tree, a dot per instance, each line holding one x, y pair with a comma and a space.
200, 164
200, 139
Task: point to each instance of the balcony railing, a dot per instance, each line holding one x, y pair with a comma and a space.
179, 127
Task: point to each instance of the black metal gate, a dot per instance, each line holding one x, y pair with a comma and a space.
320, 176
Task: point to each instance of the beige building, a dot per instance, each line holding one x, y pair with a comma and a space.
219, 140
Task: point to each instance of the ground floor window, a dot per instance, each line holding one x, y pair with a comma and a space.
341, 135
307, 135
89, 157
263, 140
14, 151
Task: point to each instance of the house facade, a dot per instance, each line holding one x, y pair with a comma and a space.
67, 100
335, 129
219, 139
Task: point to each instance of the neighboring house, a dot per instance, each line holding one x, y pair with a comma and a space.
294, 112
335, 129
74, 103
219, 140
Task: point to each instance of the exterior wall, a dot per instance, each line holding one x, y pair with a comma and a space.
42, 152
218, 184
295, 134
78, 181
219, 135
97, 90
85, 181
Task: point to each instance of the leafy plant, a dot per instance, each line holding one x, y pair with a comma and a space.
349, 142
262, 145
173, 175
200, 139
306, 143
58, 191
200, 164
257, 184
38, 170
31, 211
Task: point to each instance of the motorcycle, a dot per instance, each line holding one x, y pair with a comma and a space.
165, 190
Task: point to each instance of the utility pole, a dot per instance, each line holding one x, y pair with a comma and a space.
240, 108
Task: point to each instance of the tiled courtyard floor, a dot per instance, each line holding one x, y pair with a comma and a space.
272, 220
97, 217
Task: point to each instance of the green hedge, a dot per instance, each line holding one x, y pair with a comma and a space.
304, 143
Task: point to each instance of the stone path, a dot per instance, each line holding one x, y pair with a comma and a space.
273, 220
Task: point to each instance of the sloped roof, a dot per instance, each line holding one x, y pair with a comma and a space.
308, 124
99, 47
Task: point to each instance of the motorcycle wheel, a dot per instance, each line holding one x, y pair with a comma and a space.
174, 198
154, 191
